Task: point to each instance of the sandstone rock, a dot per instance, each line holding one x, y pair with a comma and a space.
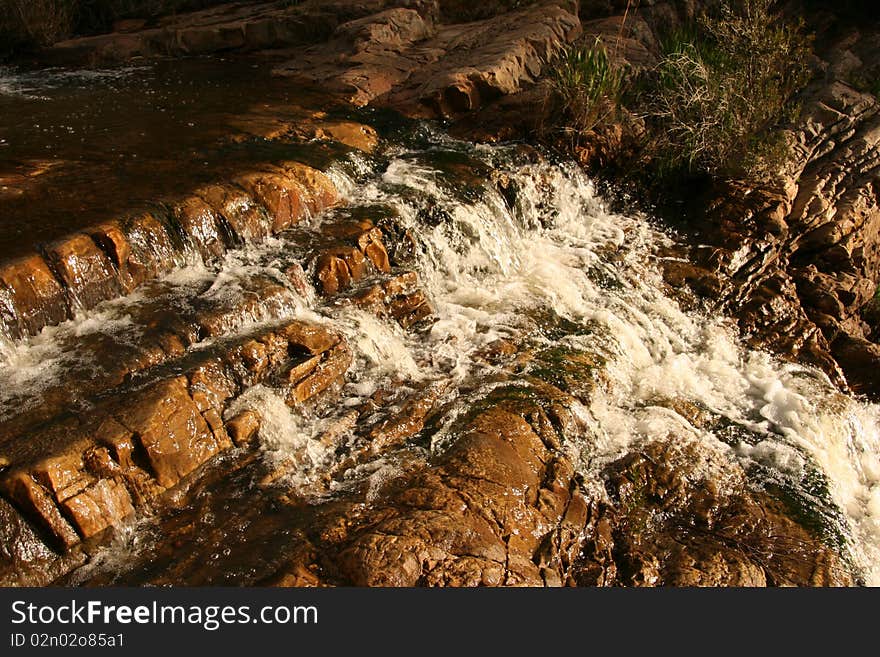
339, 266
77, 477
280, 194
243, 427
31, 497
408, 421
480, 517
860, 359
173, 432
99, 506
111, 239
20, 549
484, 61
370, 243
356, 135
336, 269
320, 192
85, 270
151, 251
329, 371
395, 59
201, 226
397, 297
238, 210
410, 309
31, 297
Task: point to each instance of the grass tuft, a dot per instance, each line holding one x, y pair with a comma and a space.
721, 90
586, 88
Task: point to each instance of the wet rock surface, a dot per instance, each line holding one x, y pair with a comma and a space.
669, 526
421, 482
503, 506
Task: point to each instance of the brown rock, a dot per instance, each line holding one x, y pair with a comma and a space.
171, 430
479, 517
313, 338
22, 551
860, 359
34, 500
406, 423
398, 58
673, 527
409, 309
243, 427
335, 269
99, 506
199, 222
152, 250
370, 242
282, 196
320, 192
356, 135
85, 270
238, 209
111, 239
486, 60
332, 368
31, 296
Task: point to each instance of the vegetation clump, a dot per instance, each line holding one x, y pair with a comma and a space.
714, 101
712, 104
37, 23
587, 86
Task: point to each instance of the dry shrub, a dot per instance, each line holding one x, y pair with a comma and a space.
715, 101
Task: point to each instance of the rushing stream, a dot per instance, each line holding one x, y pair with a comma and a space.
537, 258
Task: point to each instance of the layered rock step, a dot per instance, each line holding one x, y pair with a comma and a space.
401, 58
141, 408
79, 475
162, 323
115, 258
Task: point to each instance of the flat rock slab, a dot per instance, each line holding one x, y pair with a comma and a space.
228, 27
400, 58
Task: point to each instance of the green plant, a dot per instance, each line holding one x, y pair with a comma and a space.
586, 87
721, 89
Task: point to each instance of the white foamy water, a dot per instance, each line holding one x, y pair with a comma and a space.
557, 256
486, 266
33, 85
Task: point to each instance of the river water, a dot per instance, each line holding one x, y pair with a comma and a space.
512, 246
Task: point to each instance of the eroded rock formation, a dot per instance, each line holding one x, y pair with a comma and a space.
159, 432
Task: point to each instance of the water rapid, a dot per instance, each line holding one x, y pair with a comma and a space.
509, 246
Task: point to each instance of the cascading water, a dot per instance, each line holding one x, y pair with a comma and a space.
489, 266
538, 257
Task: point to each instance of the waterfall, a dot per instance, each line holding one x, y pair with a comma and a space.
509, 246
